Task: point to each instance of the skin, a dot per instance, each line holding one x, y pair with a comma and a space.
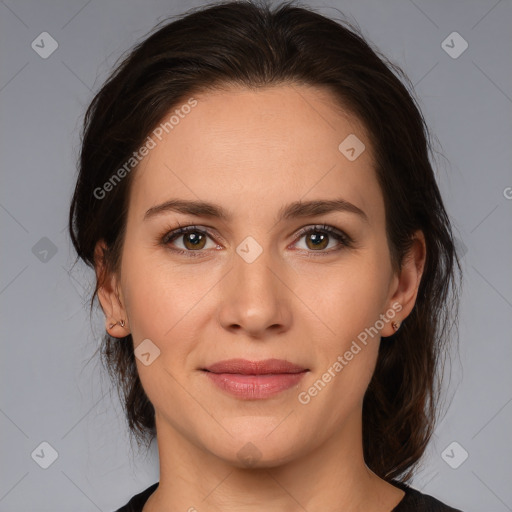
252, 152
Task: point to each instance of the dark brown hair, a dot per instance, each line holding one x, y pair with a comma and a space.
252, 45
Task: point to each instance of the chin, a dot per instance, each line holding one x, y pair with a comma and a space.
259, 443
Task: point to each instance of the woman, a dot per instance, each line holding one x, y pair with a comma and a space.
274, 261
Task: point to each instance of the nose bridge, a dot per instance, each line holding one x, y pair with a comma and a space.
254, 270
253, 292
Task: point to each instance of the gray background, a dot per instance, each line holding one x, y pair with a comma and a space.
50, 394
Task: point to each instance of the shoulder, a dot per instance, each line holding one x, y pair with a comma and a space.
416, 501
138, 501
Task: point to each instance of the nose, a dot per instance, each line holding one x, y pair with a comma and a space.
255, 297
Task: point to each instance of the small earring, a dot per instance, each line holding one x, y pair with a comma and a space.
395, 325
121, 323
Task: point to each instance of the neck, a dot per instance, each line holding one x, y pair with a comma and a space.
332, 476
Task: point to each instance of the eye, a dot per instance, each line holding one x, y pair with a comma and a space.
318, 237
193, 239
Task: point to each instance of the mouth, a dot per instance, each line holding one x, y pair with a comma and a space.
253, 380
245, 367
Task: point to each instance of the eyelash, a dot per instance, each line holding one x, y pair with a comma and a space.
338, 235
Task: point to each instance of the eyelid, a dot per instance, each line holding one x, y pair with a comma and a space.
173, 234
331, 230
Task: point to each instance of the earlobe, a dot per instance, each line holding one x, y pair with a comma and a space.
117, 332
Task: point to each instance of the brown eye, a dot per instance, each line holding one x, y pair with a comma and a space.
317, 239
192, 239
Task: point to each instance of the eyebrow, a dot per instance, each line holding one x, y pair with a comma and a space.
293, 210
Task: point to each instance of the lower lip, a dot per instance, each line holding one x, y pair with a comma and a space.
255, 386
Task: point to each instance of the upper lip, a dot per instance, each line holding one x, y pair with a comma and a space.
246, 367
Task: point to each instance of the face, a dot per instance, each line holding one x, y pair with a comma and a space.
273, 279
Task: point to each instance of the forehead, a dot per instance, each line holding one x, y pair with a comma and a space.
257, 149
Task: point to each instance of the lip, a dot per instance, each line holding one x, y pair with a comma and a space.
254, 379
246, 367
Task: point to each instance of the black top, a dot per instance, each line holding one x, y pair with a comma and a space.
413, 501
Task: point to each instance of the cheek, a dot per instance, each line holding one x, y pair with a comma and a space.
167, 307
346, 357
346, 307
346, 299
160, 304
158, 296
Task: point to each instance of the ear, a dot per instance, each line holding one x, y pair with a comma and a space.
405, 286
109, 295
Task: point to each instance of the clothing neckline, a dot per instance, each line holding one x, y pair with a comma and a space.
409, 492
